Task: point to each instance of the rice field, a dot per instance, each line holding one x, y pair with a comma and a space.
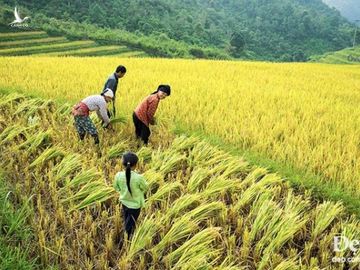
27, 42
304, 115
39, 43
48, 48
22, 35
345, 56
205, 209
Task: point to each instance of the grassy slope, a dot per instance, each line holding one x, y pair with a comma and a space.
346, 56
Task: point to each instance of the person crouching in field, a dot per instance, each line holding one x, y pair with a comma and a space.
132, 188
143, 115
81, 112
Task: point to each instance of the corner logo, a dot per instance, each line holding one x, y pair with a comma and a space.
18, 22
344, 245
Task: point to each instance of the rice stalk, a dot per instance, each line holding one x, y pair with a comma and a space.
36, 141
69, 164
29, 105
200, 153
83, 177
117, 150
206, 211
48, 154
282, 228
183, 142
250, 193
86, 190
145, 153
289, 264
324, 215
264, 209
196, 251
235, 166
101, 194
167, 161
254, 176
220, 185
13, 131
118, 120
182, 205
197, 180
154, 180
181, 229
143, 236
165, 191
13, 97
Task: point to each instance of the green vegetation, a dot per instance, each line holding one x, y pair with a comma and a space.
40, 44
346, 56
47, 48
277, 30
15, 233
31, 42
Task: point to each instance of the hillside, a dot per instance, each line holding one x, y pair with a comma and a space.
348, 8
159, 46
40, 43
241, 29
346, 56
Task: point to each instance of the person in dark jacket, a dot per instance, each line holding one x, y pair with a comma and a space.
112, 83
143, 115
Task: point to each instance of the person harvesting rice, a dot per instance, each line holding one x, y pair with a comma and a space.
144, 113
81, 113
132, 188
112, 83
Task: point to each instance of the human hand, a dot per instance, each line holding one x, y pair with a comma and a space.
153, 121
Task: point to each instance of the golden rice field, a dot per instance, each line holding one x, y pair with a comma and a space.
205, 208
305, 115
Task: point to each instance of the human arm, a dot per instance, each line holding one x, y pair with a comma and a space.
102, 114
115, 184
143, 185
114, 109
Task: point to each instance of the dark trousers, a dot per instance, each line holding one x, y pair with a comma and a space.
130, 217
142, 131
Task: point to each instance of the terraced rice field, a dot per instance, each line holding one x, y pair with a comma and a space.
40, 44
346, 56
205, 209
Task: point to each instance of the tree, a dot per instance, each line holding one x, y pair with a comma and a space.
237, 44
97, 15
299, 56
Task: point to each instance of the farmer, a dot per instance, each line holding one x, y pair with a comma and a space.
144, 113
81, 112
112, 83
132, 188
